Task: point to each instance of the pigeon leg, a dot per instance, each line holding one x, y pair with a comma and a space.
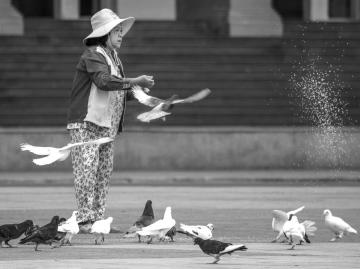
102, 238
36, 247
293, 247
139, 238
150, 240
217, 258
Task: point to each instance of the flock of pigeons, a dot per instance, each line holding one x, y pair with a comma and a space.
61, 231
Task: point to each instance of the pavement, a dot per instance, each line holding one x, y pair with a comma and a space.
208, 177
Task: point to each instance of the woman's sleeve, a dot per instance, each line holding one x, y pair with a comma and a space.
95, 65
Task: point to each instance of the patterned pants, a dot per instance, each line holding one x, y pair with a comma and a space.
92, 167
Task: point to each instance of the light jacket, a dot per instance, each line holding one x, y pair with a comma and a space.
95, 79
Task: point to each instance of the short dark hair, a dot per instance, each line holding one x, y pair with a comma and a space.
97, 41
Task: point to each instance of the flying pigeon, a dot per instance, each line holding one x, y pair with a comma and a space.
162, 107
216, 248
12, 231
201, 231
44, 235
295, 231
100, 228
279, 218
144, 220
58, 154
337, 225
70, 227
160, 227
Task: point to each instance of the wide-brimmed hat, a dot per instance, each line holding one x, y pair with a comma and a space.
103, 21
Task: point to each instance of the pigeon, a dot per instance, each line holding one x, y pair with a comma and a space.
58, 154
44, 235
293, 230
159, 228
12, 231
100, 228
337, 225
216, 248
279, 218
201, 231
70, 227
162, 107
144, 220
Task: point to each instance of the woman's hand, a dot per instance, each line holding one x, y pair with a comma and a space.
144, 81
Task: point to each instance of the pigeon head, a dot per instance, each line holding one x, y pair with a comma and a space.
148, 210
327, 212
197, 241
61, 220
29, 223
110, 219
55, 220
210, 226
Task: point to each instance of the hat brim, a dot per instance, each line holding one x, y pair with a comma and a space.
126, 23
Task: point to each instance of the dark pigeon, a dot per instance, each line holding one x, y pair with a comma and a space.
216, 248
144, 220
12, 231
44, 235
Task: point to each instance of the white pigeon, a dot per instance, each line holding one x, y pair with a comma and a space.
194, 231
159, 228
161, 107
279, 218
100, 228
70, 227
298, 232
58, 154
337, 225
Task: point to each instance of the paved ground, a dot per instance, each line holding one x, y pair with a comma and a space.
239, 213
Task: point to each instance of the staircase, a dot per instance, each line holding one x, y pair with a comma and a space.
249, 77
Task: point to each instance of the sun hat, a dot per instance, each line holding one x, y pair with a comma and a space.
103, 21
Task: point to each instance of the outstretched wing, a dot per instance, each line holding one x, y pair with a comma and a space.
37, 150
52, 158
153, 114
194, 98
145, 99
294, 212
99, 141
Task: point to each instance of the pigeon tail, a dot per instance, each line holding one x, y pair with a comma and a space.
230, 249
310, 228
351, 230
148, 210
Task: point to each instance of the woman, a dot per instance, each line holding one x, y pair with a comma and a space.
97, 105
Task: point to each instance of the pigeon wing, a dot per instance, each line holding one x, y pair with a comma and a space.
279, 218
294, 212
99, 141
194, 98
153, 114
144, 98
51, 158
37, 150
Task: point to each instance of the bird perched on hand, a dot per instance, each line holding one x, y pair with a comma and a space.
144, 220
162, 107
279, 218
58, 154
12, 231
44, 235
295, 231
160, 227
70, 227
337, 225
216, 248
201, 231
100, 228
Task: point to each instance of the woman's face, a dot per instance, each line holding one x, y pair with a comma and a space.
115, 38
